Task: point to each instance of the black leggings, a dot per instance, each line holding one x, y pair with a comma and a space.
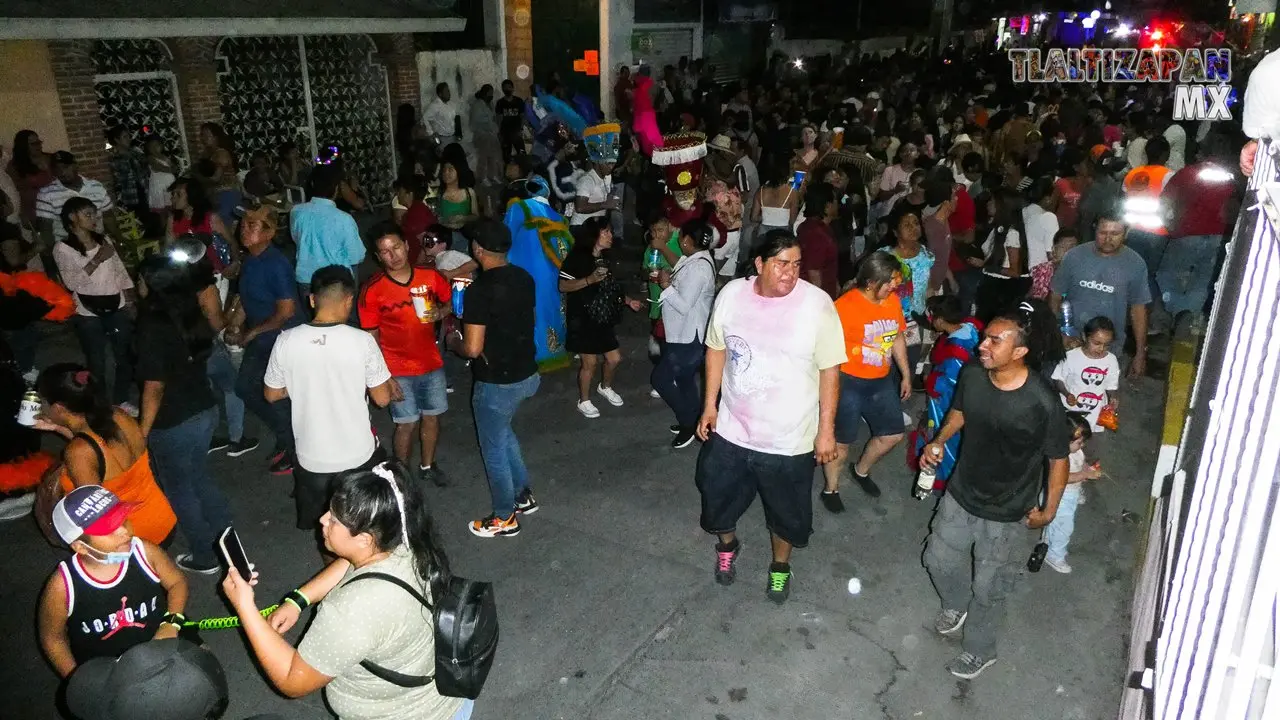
998, 294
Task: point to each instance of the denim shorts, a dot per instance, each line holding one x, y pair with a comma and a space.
875, 401
729, 477
424, 395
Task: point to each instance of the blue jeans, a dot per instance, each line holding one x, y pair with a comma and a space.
180, 461
250, 388
675, 377
1058, 533
1151, 247
1185, 273
464, 712
222, 373
98, 332
494, 406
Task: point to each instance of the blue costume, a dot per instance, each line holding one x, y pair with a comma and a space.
540, 240
950, 354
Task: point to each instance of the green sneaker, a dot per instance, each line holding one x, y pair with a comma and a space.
779, 582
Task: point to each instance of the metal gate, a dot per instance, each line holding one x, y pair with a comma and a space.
314, 90
136, 90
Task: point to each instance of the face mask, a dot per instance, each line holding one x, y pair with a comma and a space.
111, 558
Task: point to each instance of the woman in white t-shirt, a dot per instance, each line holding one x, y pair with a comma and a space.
377, 523
1005, 280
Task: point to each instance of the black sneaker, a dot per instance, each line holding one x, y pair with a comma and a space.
281, 464
242, 446
525, 504
683, 439
219, 442
831, 501
433, 474
865, 482
779, 582
727, 562
675, 429
187, 562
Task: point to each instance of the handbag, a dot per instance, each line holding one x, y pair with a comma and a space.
100, 305
605, 307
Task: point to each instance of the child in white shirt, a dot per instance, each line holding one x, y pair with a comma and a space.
1088, 379
1057, 534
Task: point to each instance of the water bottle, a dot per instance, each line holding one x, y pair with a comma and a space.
1068, 318
927, 476
924, 483
458, 292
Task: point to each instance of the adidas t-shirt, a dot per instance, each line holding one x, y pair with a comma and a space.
1102, 285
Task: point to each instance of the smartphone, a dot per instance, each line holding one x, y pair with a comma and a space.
233, 552
798, 179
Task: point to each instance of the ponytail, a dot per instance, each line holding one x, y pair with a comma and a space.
1038, 332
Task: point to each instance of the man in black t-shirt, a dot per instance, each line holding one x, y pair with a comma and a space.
497, 331
1013, 426
510, 110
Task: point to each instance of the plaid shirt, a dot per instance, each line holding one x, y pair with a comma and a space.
129, 175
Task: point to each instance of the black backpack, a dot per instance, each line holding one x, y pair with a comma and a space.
465, 620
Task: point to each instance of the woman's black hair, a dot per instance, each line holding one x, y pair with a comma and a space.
1080, 425
454, 155
22, 160
171, 298
946, 308
702, 233
72, 386
222, 140
1038, 332
197, 198
71, 207
364, 502
1008, 219
586, 235
775, 172
773, 243
1101, 322
816, 199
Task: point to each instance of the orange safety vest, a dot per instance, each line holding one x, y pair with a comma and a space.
1148, 181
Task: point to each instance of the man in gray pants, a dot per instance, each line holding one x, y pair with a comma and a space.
1013, 422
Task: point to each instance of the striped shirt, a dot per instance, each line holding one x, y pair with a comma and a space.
52, 197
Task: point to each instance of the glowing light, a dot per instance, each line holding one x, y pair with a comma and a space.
179, 255
1041, 17
1215, 174
798, 63
1122, 30
1087, 23
1157, 34
1108, 5
1095, 14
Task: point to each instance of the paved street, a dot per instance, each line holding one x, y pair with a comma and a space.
609, 609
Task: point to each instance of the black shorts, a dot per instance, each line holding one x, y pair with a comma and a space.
312, 491
876, 401
729, 477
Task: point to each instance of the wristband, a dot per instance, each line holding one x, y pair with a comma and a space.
298, 599
173, 618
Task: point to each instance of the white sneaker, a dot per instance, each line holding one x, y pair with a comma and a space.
1083, 499
129, 409
588, 409
655, 394
1058, 565
608, 394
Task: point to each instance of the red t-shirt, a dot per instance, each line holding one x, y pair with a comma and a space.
408, 344
1197, 193
818, 252
415, 222
965, 216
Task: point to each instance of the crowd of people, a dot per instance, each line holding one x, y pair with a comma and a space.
844, 240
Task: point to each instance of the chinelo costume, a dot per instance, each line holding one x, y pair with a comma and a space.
25, 297
540, 240
681, 158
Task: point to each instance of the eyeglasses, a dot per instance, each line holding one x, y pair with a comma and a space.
430, 242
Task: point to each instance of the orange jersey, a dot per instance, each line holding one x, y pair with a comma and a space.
408, 342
